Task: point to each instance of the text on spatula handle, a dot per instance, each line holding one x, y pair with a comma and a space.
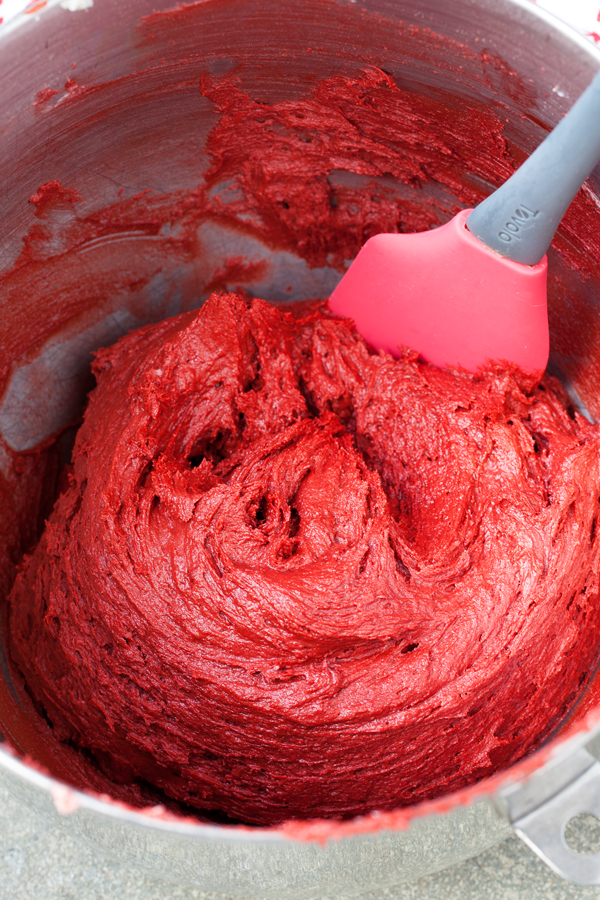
515, 224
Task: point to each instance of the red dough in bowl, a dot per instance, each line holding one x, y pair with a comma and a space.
290, 577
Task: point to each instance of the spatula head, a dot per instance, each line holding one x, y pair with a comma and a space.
446, 295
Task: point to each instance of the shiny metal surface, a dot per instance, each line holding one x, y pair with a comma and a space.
261, 865
145, 140
541, 811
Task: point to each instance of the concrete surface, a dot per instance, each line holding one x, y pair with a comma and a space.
37, 862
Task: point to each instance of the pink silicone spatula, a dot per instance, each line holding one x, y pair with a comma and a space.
475, 289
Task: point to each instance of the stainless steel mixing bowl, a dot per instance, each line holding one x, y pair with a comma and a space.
137, 136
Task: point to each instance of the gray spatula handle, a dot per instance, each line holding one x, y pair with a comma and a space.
518, 220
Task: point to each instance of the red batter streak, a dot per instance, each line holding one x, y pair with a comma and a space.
293, 578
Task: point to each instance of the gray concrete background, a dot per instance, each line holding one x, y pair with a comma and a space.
39, 862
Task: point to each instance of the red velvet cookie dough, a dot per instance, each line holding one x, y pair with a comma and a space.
290, 577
